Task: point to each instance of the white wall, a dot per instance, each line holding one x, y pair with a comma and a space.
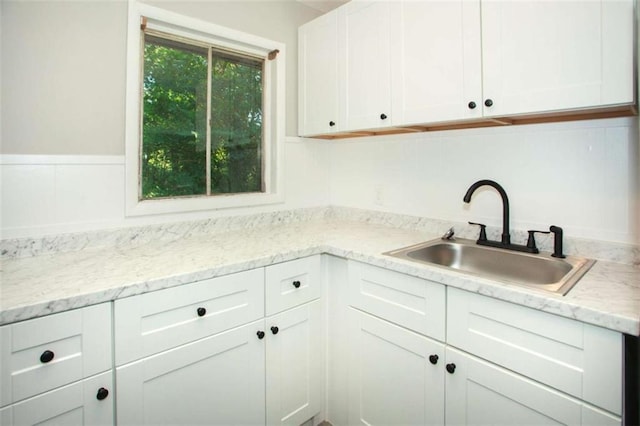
63, 67
45, 194
582, 176
62, 141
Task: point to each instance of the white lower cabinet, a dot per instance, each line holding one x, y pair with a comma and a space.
481, 393
216, 380
395, 375
500, 364
204, 353
294, 365
87, 402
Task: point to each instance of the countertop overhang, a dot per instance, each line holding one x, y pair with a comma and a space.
607, 296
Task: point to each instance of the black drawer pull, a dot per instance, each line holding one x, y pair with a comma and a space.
275, 329
202, 312
296, 284
46, 357
102, 394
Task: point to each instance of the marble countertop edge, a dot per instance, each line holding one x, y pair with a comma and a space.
127, 273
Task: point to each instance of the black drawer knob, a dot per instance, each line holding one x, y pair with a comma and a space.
102, 394
451, 368
433, 359
260, 334
488, 103
332, 123
383, 116
296, 284
471, 105
46, 357
275, 329
202, 312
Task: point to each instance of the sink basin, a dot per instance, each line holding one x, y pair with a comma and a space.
540, 271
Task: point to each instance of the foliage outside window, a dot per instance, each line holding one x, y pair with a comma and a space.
204, 115
202, 112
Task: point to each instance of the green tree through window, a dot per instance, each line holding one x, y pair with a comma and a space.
175, 143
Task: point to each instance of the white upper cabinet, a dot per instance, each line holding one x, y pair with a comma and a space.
435, 52
365, 64
543, 56
423, 63
318, 76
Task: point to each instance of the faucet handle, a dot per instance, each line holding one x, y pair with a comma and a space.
531, 241
483, 231
557, 241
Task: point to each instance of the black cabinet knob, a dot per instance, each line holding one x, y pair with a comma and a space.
260, 334
332, 123
202, 312
102, 394
433, 359
383, 116
296, 284
275, 329
488, 103
451, 368
46, 357
471, 105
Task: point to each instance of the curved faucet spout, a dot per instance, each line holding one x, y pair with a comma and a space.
506, 237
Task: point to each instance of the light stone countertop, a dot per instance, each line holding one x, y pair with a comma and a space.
608, 295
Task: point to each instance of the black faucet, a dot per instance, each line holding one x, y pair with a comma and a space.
505, 242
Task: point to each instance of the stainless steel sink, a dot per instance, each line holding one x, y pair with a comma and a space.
540, 271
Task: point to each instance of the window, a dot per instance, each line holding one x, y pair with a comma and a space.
203, 115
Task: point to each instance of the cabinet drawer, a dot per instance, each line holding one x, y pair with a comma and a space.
153, 322
292, 283
74, 404
44, 353
580, 359
408, 301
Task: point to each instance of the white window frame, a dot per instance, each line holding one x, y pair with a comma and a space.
273, 110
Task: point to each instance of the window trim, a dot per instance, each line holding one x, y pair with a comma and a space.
274, 111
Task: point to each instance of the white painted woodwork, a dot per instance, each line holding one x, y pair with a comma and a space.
217, 380
574, 357
281, 294
391, 380
318, 76
365, 64
408, 301
156, 321
335, 298
436, 62
80, 340
71, 405
295, 365
556, 55
479, 392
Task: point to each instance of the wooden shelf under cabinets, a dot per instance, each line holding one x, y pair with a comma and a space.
554, 117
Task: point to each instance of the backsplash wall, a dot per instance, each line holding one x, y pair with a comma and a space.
582, 176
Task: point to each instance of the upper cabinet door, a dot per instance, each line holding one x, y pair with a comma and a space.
365, 61
556, 55
318, 76
435, 52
